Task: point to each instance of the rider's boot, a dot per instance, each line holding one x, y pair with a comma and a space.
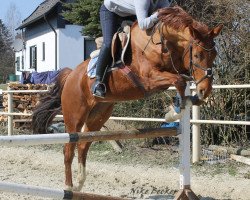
99, 87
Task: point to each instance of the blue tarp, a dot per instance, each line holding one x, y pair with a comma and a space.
170, 125
44, 77
47, 77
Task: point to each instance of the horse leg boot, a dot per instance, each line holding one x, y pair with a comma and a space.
99, 87
175, 111
180, 102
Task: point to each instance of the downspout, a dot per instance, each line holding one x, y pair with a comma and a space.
52, 28
23, 50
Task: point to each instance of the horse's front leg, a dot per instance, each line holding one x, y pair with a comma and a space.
181, 99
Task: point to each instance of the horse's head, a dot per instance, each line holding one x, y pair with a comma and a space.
194, 41
198, 58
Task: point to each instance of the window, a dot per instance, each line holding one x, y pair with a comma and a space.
89, 46
43, 50
33, 57
22, 62
18, 63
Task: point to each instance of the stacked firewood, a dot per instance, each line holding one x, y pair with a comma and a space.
23, 102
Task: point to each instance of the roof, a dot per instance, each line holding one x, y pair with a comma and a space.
43, 9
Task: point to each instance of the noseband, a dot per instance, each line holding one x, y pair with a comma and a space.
164, 49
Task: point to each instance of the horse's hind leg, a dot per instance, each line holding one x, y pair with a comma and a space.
97, 117
69, 148
74, 117
83, 148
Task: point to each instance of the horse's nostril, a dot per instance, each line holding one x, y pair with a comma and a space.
202, 92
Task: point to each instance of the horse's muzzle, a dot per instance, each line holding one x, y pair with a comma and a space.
196, 100
203, 92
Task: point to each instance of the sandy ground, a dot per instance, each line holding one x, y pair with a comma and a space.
36, 166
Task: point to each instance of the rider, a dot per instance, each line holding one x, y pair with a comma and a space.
112, 13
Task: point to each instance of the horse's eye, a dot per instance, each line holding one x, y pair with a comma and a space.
196, 56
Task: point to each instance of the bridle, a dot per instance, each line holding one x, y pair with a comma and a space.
208, 71
164, 49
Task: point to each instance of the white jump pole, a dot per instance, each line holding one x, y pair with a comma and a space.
196, 142
24, 140
31, 190
196, 129
185, 191
10, 110
50, 193
61, 138
184, 139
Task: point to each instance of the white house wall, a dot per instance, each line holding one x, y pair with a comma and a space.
42, 65
70, 46
70, 49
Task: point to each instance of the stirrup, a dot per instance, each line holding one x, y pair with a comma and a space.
99, 90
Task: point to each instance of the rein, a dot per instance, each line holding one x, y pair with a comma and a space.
151, 37
164, 49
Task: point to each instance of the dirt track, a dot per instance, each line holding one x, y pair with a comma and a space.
40, 167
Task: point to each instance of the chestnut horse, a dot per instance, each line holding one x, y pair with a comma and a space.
179, 49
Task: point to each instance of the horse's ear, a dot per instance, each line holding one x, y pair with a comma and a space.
194, 32
215, 31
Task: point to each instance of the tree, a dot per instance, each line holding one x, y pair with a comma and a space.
13, 19
6, 53
86, 13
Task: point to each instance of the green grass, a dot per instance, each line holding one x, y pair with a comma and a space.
3, 86
136, 154
232, 170
230, 167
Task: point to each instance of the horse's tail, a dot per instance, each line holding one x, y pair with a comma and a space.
49, 105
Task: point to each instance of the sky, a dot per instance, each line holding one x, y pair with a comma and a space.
25, 7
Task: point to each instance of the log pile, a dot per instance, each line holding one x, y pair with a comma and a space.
22, 102
221, 153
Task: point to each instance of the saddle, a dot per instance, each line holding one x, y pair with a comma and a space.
119, 48
120, 43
